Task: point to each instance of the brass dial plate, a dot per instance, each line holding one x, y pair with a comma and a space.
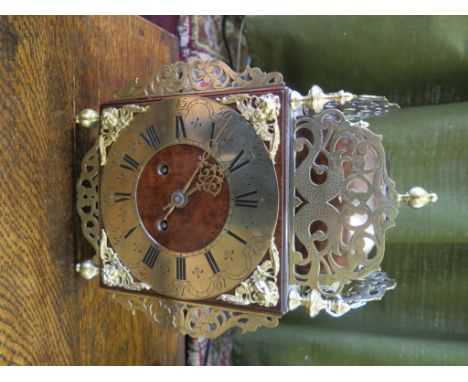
245, 237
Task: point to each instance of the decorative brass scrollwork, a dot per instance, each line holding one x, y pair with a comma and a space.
343, 204
260, 288
193, 319
114, 273
262, 111
87, 196
210, 176
197, 76
354, 107
113, 121
356, 295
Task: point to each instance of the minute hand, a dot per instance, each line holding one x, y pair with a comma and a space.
185, 188
171, 206
214, 140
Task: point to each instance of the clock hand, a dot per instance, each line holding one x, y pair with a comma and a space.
173, 204
189, 182
213, 142
197, 187
171, 209
202, 160
210, 179
181, 194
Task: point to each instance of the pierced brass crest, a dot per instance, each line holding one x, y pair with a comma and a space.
193, 319
197, 76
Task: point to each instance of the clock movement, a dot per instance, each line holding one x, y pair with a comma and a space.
218, 199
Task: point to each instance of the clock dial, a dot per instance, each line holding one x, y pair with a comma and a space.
189, 198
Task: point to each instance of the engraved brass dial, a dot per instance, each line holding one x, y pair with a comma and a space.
189, 197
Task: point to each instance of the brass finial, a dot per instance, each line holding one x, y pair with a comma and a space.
87, 269
314, 302
87, 118
316, 99
417, 197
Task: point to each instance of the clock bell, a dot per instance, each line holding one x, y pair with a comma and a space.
216, 199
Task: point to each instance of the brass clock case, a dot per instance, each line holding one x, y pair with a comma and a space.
334, 200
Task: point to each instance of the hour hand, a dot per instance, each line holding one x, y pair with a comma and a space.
171, 209
210, 179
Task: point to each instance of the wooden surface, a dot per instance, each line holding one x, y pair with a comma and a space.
51, 68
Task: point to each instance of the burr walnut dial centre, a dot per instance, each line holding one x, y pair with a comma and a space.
189, 197
185, 207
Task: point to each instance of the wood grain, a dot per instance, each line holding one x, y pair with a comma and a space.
50, 68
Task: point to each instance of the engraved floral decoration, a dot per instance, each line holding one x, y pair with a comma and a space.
261, 287
193, 319
196, 76
114, 273
262, 111
344, 202
113, 121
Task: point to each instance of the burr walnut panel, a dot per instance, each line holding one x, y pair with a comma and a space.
200, 221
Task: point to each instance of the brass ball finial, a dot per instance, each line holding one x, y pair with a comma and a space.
417, 197
87, 118
87, 269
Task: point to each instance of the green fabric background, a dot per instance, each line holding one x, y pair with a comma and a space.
411, 60
424, 321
